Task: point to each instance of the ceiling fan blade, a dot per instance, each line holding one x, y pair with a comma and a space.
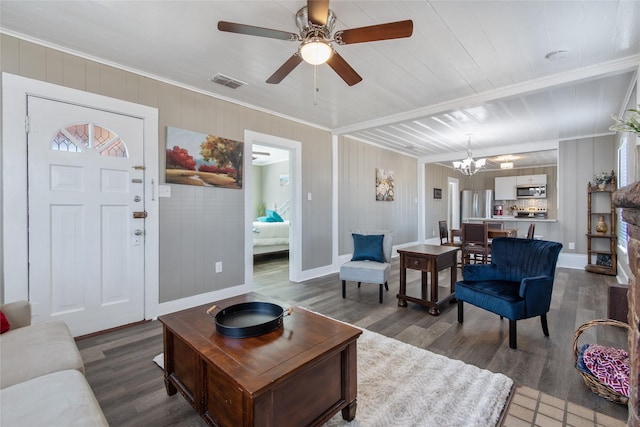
250, 30
343, 69
285, 69
391, 30
318, 11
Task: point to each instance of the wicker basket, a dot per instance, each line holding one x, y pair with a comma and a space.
591, 381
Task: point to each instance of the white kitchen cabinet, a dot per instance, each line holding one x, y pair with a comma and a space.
531, 179
505, 188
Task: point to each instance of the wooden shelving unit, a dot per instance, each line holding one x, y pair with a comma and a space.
601, 246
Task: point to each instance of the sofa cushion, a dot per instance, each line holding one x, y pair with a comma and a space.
36, 350
18, 313
58, 399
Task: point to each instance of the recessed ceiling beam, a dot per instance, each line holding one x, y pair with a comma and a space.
544, 83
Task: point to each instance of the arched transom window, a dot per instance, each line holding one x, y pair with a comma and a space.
89, 136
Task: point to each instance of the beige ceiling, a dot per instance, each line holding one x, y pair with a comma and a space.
474, 67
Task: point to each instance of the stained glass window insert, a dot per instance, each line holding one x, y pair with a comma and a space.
89, 136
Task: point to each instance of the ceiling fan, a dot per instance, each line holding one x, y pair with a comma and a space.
315, 24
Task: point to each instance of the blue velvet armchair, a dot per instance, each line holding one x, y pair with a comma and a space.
516, 285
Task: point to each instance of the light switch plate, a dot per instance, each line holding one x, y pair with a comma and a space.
164, 191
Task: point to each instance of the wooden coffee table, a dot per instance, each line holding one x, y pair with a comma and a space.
301, 374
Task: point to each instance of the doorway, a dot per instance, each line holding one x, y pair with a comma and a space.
86, 215
290, 208
453, 206
272, 209
55, 175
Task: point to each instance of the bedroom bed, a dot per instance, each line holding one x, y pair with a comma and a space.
270, 237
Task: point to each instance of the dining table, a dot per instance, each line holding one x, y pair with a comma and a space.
491, 233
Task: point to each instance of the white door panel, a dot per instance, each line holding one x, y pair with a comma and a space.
86, 263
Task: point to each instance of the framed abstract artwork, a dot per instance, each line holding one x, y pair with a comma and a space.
384, 185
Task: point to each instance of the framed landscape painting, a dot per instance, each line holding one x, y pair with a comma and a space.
204, 160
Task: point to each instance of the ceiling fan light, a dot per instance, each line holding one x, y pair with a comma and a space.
315, 51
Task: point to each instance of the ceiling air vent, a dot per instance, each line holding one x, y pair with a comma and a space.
227, 81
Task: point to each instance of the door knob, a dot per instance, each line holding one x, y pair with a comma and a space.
138, 232
137, 199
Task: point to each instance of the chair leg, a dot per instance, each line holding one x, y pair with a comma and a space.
545, 327
512, 334
359, 284
460, 311
380, 293
386, 285
344, 289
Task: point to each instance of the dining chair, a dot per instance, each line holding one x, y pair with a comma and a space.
475, 242
444, 235
532, 228
495, 225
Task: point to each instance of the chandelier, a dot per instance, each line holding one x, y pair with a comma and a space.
469, 166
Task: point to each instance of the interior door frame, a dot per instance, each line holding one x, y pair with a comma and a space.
295, 237
453, 199
15, 90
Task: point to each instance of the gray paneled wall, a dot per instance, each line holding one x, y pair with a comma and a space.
580, 160
436, 176
359, 210
274, 195
257, 186
199, 226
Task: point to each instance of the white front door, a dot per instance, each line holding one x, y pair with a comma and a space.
85, 189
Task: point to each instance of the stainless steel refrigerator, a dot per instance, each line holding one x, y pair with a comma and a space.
476, 204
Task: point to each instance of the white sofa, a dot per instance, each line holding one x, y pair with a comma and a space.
42, 374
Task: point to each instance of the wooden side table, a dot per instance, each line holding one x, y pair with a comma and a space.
428, 259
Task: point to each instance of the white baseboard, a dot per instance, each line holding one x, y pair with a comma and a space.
206, 298
318, 272
575, 261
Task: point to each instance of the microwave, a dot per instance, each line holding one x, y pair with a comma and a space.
531, 191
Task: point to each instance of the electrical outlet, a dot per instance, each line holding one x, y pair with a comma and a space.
218, 266
572, 245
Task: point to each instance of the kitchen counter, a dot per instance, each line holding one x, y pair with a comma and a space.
545, 228
510, 218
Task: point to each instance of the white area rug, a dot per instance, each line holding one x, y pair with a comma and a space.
401, 385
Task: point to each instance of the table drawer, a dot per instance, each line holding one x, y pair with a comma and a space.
416, 263
224, 400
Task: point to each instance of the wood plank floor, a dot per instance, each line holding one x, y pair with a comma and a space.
130, 387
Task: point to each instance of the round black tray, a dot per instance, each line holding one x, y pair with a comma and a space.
249, 319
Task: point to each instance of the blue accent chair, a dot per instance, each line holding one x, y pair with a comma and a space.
516, 285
